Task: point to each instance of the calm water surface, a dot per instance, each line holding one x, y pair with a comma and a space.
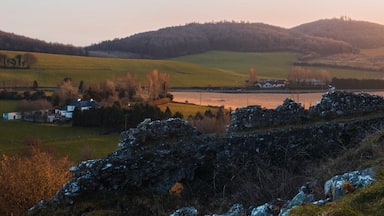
235, 100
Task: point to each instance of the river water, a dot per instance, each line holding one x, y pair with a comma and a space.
236, 100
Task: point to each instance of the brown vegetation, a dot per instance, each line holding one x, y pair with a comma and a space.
27, 179
304, 76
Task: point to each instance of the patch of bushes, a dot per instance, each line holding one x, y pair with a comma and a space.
29, 178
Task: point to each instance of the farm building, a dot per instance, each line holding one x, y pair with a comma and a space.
12, 116
80, 105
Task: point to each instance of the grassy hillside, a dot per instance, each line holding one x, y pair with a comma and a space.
211, 69
52, 69
269, 65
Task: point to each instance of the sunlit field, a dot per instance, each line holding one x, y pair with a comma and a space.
51, 69
187, 109
211, 69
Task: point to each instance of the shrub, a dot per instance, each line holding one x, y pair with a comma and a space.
25, 180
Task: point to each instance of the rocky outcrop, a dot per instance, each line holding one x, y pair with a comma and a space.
157, 154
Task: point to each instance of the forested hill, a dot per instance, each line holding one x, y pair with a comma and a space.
10, 41
229, 36
359, 34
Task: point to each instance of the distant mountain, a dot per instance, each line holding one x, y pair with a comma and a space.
10, 41
229, 36
359, 34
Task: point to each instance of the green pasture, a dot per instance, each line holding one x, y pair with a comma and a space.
210, 69
268, 65
51, 69
66, 140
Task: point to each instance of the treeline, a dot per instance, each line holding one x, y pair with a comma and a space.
357, 83
19, 61
10, 41
229, 36
112, 119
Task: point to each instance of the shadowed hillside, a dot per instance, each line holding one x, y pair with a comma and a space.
359, 34
228, 36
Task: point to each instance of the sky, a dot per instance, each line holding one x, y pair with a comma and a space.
85, 22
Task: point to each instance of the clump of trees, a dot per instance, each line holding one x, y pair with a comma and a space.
115, 119
300, 77
10, 41
25, 61
121, 92
210, 122
33, 176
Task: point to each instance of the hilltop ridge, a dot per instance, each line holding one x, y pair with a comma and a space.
323, 37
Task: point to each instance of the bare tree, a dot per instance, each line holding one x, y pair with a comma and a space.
301, 75
67, 92
158, 85
126, 85
252, 77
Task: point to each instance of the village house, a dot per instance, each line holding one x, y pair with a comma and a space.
270, 84
67, 111
50, 116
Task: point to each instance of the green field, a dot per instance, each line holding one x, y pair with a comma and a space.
51, 69
269, 65
67, 140
210, 69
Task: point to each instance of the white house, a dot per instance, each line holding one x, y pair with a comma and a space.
79, 104
270, 84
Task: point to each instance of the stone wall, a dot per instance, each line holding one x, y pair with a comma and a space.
334, 104
156, 154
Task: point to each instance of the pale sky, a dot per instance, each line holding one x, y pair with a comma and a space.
83, 22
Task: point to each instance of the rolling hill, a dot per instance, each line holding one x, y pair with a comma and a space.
359, 34
197, 38
323, 38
